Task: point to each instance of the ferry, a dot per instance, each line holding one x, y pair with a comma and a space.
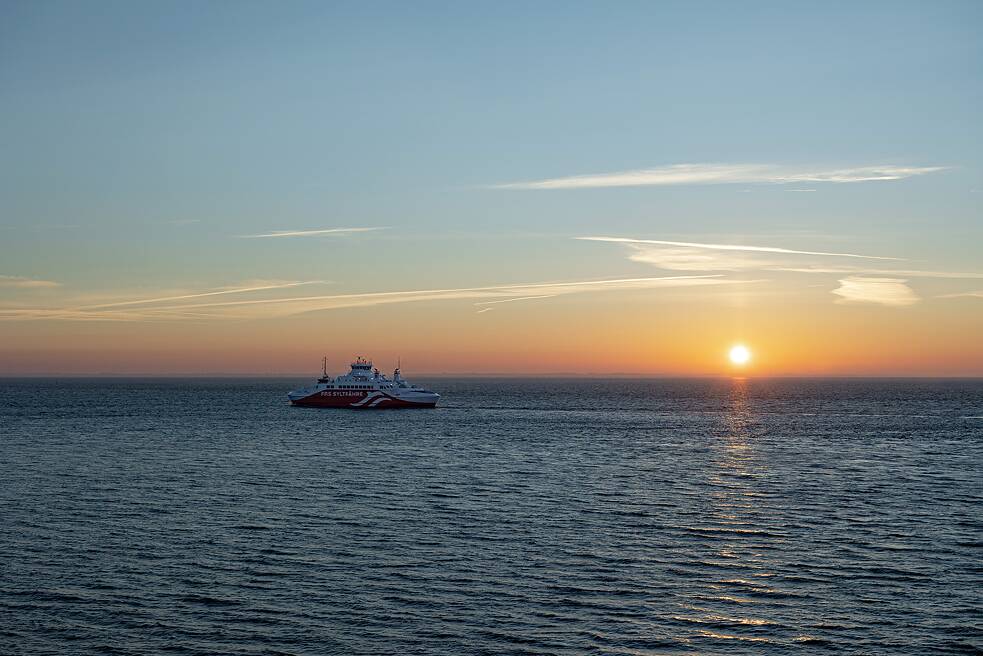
363, 388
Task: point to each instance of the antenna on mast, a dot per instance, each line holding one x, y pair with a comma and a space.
324, 365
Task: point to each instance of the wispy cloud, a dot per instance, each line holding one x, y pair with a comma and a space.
164, 309
731, 247
299, 305
860, 283
20, 282
704, 174
510, 300
908, 273
697, 256
974, 294
311, 233
881, 291
231, 290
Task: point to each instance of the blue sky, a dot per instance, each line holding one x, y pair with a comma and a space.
140, 141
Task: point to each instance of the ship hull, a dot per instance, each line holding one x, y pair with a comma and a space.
374, 400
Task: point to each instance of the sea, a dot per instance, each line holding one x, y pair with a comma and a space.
522, 516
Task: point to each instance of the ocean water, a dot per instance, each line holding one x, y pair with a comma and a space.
520, 517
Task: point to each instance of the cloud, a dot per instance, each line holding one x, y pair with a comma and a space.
731, 247
862, 284
20, 282
163, 309
882, 291
908, 273
311, 233
977, 294
510, 300
694, 256
703, 174
70, 314
298, 305
692, 259
231, 290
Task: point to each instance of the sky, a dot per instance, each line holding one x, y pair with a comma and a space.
583, 188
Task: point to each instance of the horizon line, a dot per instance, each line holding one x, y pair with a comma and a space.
548, 375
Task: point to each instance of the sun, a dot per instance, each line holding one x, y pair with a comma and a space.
739, 354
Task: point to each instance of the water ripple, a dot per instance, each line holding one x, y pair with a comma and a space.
523, 517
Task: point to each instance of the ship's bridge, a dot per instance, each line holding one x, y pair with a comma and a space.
361, 365
362, 370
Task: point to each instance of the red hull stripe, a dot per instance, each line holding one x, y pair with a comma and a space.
358, 401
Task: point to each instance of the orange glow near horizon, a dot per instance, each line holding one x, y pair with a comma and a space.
562, 337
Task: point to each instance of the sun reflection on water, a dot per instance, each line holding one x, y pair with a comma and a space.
738, 539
